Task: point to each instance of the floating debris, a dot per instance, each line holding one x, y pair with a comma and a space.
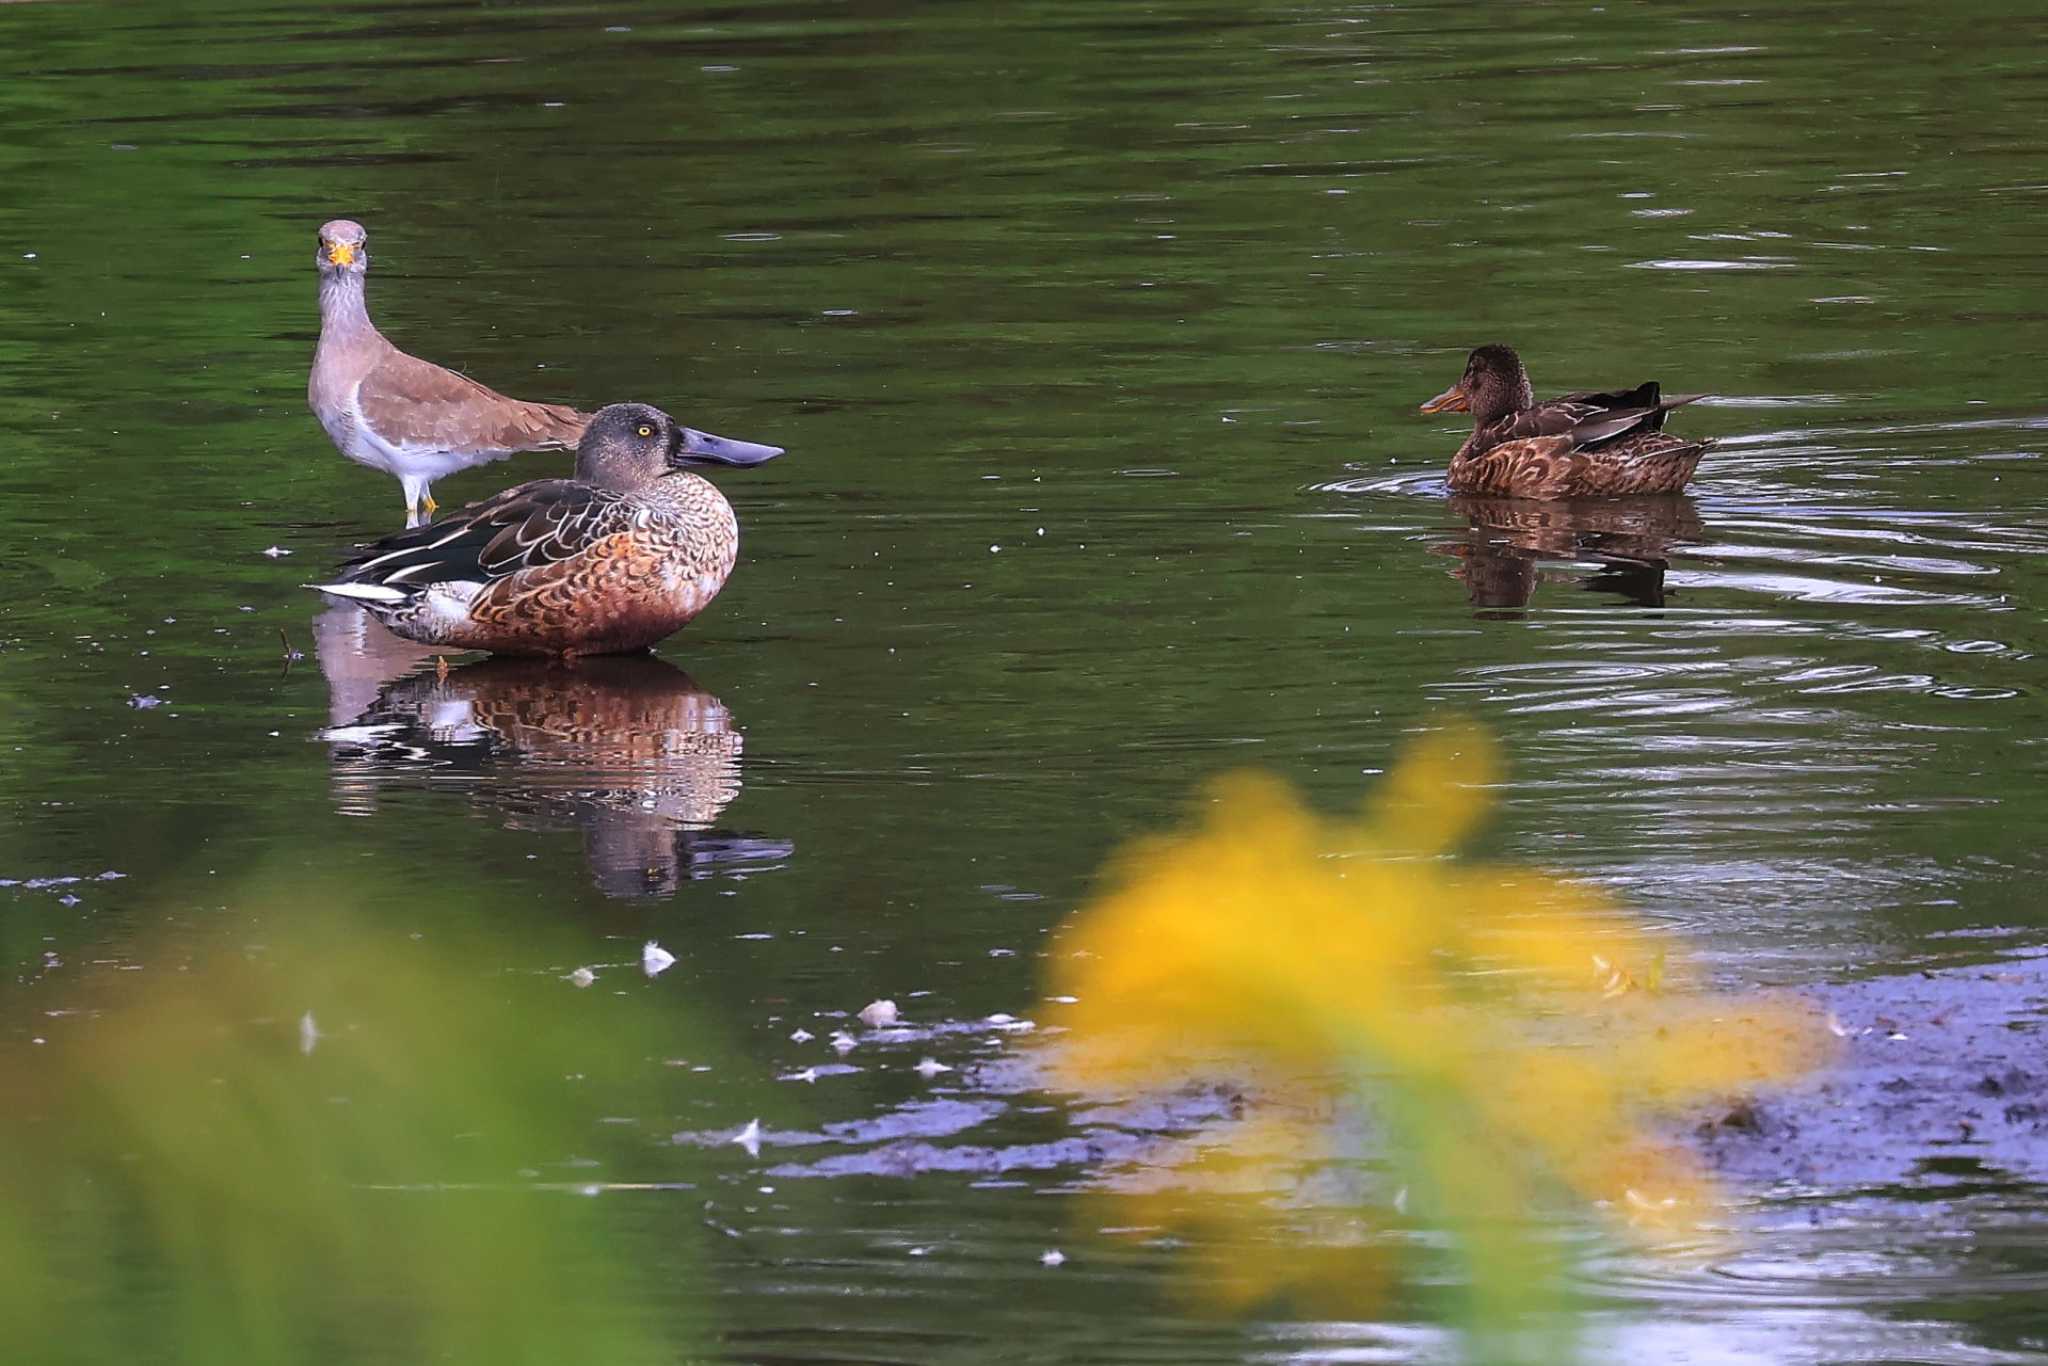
876, 1014
930, 1067
143, 701
808, 1074
1009, 1023
750, 1138
1052, 1256
843, 1042
801, 1035
655, 960
37, 884
582, 977
309, 1034
276, 552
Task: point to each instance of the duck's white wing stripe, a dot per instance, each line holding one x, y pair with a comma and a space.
456, 528
361, 592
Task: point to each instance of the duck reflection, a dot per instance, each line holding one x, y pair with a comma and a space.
628, 748
1507, 540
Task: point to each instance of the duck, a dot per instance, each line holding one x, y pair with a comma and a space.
609, 562
397, 413
1594, 444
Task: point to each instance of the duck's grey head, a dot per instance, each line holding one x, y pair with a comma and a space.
343, 248
629, 445
1494, 384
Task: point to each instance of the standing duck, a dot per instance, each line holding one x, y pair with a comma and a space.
398, 413
1585, 445
611, 561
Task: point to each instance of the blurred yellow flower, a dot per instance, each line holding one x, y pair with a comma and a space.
1511, 1032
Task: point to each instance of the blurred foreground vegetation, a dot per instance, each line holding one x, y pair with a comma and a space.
1512, 1039
343, 1145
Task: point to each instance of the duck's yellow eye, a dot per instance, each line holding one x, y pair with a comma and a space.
646, 430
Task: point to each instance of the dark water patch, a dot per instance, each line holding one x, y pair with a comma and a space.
1941, 1068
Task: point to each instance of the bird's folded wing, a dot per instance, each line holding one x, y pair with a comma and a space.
534, 524
415, 405
1556, 418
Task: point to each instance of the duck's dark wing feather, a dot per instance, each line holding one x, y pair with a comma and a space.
1646, 400
541, 523
1617, 422
1614, 424
1590, 419
1558, 417
1644, 395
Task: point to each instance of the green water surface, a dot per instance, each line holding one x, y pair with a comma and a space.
1095, 332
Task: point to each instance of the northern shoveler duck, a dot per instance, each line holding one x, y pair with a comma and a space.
398, 413
605, 563
1585, 445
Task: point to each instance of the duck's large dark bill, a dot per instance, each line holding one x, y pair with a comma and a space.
724, 450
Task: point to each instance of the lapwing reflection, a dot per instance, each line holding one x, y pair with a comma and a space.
627, 748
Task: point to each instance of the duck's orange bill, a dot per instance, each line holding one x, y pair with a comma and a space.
1451, 400
341, 253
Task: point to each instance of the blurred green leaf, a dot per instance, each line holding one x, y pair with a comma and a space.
348, 1145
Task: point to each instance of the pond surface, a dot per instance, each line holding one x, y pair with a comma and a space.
1095, 333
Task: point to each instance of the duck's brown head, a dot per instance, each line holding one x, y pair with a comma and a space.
1494, 384
343, 246
628, 446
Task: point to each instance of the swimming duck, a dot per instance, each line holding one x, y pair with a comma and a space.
398, 413
611, 561
1585, 445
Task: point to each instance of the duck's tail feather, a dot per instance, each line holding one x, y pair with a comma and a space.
1682, 460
